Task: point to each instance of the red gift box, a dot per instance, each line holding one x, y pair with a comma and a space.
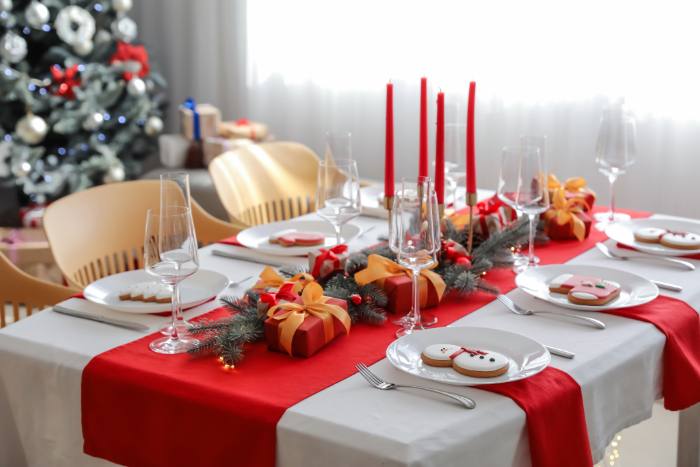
575, 189
399, 291
566, 231
565, 219
311, 335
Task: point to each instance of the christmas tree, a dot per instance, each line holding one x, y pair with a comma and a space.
80, 105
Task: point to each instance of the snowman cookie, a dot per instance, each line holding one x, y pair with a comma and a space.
583, 290
649, 234
669, 238
469, 362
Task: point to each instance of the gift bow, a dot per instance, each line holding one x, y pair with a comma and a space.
574, 184
564, 211
190, 104
314, 303
454, 252
244, 122
486, 208
286, 292
380, 268
331, 255
269, 278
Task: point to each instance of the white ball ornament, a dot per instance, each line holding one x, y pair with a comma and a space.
74, 25
122, 6
153, 126
37, 14
13, 48
32, 129
93, 121
114, 174
136, 87
5, 5
84, 48
124, 29
102, 36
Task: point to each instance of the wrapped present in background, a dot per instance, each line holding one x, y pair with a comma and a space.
324, 261
272, 297
244, 129
304, 327
575, 189
566, 219
28, 249
198, 121
397, 283
269, 278
216, 145
490, 216
173, 150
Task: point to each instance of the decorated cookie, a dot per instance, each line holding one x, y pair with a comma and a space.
274, 238
470, 362
439, 354
584, 290
681, 240
649, 234
146, 292
302, 239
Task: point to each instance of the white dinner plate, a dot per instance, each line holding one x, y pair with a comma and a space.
258, 237
201, 286
623, 232
636, 290
526, 356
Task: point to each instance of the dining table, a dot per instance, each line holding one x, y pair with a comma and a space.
619, 369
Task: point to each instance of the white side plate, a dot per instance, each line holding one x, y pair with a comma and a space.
623, 232
258, 237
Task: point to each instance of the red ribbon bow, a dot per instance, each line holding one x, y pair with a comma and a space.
284, 293
328, 254
244, 122
485, 208
127, 52
65, 81
682, 234
450, 253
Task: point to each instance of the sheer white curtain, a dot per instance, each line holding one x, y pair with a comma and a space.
309, 66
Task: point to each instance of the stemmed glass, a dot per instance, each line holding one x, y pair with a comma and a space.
170, 254
417, 238
174, 192
508, 188
615, 151
338, 145
532, 195
338, 193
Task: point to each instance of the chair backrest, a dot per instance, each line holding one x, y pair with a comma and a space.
268, 182
99, 232
19, 288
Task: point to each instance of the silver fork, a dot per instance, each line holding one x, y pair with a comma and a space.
379, 383
522, 311
606, 251
233, 284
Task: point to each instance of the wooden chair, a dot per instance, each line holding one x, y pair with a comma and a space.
19, 288
267, 182
99, 232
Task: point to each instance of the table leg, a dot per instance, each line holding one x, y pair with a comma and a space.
689, 437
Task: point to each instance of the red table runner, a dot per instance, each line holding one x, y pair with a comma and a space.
141, 408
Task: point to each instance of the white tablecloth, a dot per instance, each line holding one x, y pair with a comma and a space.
619, 370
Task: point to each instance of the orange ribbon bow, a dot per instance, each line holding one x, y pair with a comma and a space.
269, 278
314, 303
575, 185
564, 211
380, 268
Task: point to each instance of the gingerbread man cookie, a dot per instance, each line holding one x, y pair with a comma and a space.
470, 362
669, 238
583, 290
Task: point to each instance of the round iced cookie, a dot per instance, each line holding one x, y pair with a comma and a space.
681, 240
648, 234
484, 364
439, 354
302, 239
274, 238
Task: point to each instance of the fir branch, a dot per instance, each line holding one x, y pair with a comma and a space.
291, 271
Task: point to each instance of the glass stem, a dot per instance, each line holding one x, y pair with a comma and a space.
612, 179
531, 257
415, 309
337, 234
175, 289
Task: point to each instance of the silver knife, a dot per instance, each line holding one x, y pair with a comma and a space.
560, 352
225, 254
101, 319
667, 286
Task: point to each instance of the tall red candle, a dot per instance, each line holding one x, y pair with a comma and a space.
440, 150
471, 162
389, 150
423, 169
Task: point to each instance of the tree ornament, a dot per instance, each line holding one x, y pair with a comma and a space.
13, 48
356, 299
21, 168
122, 6
84, 48
64, 81
114, 174
103, 36
154, 125
93, 121
74, 25
129, 53
150, 85
6, 5
124, 29
37, 14
32, 129
136, 87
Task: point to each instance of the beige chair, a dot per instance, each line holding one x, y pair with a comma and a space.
99, 232
19, 288
267, 182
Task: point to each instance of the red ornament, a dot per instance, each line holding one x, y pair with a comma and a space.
129, 53
356, 299
65, 81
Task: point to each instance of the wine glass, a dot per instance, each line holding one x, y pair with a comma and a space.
615, 151
175, 191
338, 145
532, 195
455, 161
417, 238
338, 193
508, 188
170, 254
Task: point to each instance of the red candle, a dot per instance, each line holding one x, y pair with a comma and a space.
389, 150
440, 150
471, 163
423, 170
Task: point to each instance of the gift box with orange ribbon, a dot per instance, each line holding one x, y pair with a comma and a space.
490, 216
566, 218
269, 278
305, 326
397, 283
575, 189
272, 297
324, 261
243, 128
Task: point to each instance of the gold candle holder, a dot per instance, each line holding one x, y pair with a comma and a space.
471, 202
441, 210
389, 205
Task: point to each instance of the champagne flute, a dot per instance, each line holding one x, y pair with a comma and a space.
417, 238
508, 188
338, 193
170, 254
615, 151
532, 195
